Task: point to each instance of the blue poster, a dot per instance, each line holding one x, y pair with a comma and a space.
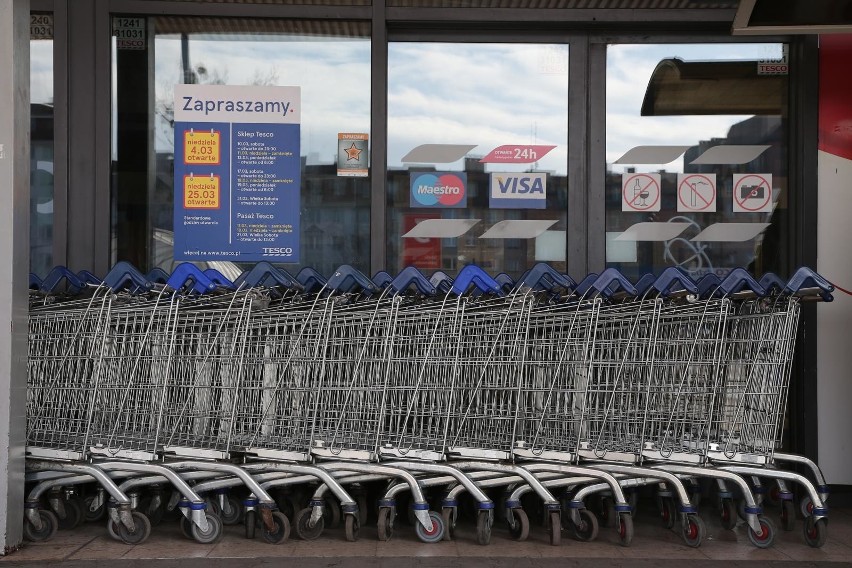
237, 173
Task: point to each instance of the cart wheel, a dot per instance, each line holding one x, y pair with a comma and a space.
155, 514
213, 532
437, 532
554, 527
668, 512
385, 524
815, 532
484, 521
449, 523
304, 530
49, 525
140, 533
632, 500
280, 532
587, 529
625, 529
608, 516
96, 514
331, 512
352, 526
74, 515
519, 526
767, 535
693, 531
112, 530
729, 514
788, 515
232, 513
186, 527
250, 522
806, 507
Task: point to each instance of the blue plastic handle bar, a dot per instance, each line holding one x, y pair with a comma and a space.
666, 283
544, 277
410, 276
187, 274
472, 275
771, 282
264, 274
124, 275
505, 281
585, 284
311, 280
35, 282
89, 278
382, 279
708, 285
644, 284
807, 278
610, 280
218, 278
158, 275
348, 278
59, 274
738, 280
441, 282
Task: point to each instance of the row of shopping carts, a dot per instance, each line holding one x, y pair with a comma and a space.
187, 394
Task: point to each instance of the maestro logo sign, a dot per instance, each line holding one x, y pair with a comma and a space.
438, 189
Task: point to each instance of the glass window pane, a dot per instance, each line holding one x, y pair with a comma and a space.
477, 156
696, 148
41, 146
329, 61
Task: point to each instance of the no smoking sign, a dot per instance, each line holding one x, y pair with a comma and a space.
640, 192
752, 193
696, 193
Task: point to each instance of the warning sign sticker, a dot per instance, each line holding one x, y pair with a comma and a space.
752, 193
696, 193
640, 192
202, 147
201, 192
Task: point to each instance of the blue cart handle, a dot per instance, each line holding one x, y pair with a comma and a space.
125, 275
311, 280
544, 277
88, 278
671, 277
585, 284
739, 280
805, 278
347, 278
771, 282
187, 274
610, 280
644, 284
59, 274
218, 278
35, 282
265, 274
382, 279
441, 282
157, 275
472, 275
505, 281
708, 285
410, 276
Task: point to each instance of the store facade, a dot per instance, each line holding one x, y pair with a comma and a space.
583, 133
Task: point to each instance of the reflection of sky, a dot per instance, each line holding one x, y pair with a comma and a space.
334, 77
483, 94
629, 67
41, 71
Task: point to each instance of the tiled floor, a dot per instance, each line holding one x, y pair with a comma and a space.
652, 541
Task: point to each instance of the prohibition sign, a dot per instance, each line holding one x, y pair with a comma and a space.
640, 192
752, 193
696, 192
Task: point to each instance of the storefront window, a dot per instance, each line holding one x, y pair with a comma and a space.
477, 156
41, 143
696, 149
329, 61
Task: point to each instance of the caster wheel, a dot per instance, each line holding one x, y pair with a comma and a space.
766, 537
668, 512
625, 529
554, 528
352, 526
304, 530
484, 521
385, 523
250, 522
587, 530
96, 514
729, 514
74, 515
520, 530
815, 532
788, 515
280, 531
449, 515
437, 532
49, 526
140, 533
213, 532
694, 531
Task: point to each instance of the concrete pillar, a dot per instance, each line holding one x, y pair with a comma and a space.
14, 261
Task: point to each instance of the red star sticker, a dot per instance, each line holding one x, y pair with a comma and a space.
353, 152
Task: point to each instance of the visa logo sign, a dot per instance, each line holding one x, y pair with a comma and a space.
523, 190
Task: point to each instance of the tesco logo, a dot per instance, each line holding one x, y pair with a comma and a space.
439, 189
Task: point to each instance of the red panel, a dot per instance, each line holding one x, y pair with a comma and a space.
835, 95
